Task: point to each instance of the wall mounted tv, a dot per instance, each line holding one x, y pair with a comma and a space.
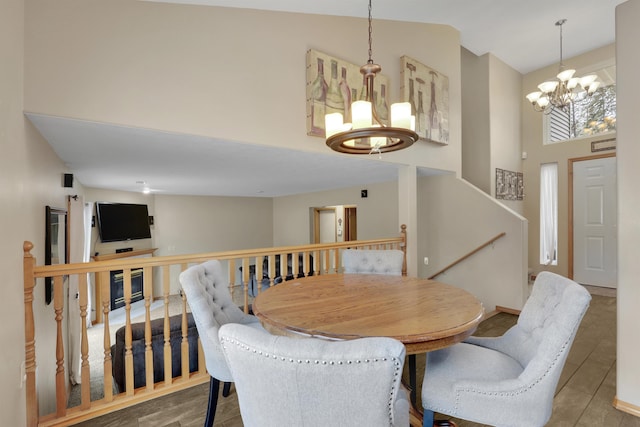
122, 221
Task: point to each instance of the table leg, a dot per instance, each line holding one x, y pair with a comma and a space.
412, 378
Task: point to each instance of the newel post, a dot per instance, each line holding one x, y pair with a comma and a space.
29, 263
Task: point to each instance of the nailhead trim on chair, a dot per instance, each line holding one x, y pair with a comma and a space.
396, 363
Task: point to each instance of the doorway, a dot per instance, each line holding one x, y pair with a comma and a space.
334, 224
593, 220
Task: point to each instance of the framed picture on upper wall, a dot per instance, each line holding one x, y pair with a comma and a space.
427, 90
509, 185
332, 85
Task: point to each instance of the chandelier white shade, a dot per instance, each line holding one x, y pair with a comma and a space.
367, 133
560, 93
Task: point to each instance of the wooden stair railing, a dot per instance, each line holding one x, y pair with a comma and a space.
462, 258
316, 259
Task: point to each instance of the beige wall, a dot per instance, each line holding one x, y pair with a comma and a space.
193, 224
377, 214
505, 88
532, 137
197, 70
476, 120
30, 179
491, 122
628, 69
449, 230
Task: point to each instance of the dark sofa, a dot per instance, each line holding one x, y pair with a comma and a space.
157, 346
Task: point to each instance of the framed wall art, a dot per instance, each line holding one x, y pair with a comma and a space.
427, 90
55, 249
332, 84
509, 185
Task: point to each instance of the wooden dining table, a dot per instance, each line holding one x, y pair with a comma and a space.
423, 314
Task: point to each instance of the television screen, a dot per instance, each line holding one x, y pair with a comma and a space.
122, 221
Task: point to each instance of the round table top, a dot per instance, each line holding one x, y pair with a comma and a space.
423, 314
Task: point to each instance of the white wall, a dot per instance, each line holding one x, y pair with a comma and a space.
628, 69
449, 230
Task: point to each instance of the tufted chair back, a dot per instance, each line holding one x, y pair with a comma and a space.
311, 382
548, 321
364, 261
510, 380
207, 292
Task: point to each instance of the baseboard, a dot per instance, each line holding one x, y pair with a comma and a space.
626, 407
507, 310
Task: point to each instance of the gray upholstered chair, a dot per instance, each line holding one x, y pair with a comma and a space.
309, 382
365, 261
509, 380
208, 295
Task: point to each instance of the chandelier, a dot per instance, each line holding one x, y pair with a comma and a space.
562, 92
367, 133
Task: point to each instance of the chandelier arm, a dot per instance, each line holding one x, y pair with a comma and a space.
371, 99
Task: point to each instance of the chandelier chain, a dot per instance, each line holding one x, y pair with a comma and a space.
560, 23
367, 133
562, 92
370, 61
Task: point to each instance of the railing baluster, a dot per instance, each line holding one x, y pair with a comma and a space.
107, 375
232, 277
283, 266
29, 336
184, 345
259, 273
168, 369
295, 270
148, 351
58, 305
245, 283
128, 352
85, 372
327, 261
272, 270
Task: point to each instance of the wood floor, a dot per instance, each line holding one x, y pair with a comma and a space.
583, 398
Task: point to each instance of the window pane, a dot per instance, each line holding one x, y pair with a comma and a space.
549, 214
588, 115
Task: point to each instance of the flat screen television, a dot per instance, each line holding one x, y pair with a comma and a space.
122, 221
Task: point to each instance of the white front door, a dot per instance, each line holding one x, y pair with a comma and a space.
595, 222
